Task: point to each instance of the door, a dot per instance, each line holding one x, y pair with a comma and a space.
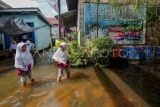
32, 34
7, 41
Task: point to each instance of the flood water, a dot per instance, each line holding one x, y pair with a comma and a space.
88, 87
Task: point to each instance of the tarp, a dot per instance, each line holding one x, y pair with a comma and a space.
14, 26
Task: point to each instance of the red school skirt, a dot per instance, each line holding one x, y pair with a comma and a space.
61, 65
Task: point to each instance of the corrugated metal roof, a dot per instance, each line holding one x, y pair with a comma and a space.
3, 5
25, 11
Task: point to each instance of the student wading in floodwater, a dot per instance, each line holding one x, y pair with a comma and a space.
24, 63
61, 57
13, 47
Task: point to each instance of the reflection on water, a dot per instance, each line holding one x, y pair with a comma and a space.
12, 94
88, 87
143, 80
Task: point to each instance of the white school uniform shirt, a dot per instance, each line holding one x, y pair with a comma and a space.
13, 46
24, 37
23, 59
29, 45
60, 55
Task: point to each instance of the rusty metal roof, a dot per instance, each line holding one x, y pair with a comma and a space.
53, 20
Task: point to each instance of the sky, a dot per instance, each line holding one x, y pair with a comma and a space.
45, 8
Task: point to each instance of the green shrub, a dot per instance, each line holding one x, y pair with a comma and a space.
100, 49
77, 56
74, 46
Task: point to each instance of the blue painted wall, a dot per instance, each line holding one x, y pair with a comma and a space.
42, 35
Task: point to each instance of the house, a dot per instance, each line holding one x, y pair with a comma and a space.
35, 19
3, 6
71, 17
54, 29
65, 25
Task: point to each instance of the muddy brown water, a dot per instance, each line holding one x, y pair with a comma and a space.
88, 87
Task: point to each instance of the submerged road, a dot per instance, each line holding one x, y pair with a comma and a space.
88, 87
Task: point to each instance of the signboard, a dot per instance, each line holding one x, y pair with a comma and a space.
124, 24
137, 52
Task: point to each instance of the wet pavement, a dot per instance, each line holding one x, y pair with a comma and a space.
88, 87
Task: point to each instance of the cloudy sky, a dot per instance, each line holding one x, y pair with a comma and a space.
46, 9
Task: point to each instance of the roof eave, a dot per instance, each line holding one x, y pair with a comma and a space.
4, 5
18, 10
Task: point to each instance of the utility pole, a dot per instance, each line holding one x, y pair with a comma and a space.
97, 16
59, 17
